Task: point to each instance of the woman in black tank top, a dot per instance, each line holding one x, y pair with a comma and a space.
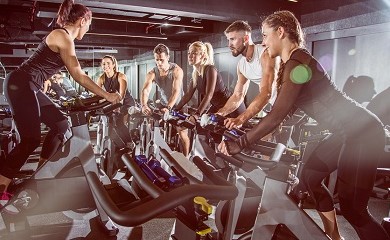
213, 94
355, 146
114, 81
30, 106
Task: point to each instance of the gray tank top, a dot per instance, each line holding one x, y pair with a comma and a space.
164, 84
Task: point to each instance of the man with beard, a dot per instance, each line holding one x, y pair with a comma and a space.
255, 65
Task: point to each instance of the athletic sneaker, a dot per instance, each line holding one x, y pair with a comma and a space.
5, 203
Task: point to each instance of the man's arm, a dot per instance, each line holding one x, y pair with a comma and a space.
146, 91
262, 98
122, 79
147, 88
176, 86
237, 97
187, 96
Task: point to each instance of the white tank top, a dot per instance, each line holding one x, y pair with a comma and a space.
252, 70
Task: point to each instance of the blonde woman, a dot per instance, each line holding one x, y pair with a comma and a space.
114, 81
207, 80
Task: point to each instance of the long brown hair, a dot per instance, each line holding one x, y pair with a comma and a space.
70, 12
292, 27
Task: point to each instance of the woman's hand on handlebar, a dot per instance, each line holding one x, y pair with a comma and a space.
193, 118
231, 123
233, 147
229, 147
146, 110
113, 97
222, 148
164, 110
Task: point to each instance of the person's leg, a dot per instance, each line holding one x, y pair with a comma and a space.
124, 113
320, 164
58, 124
185, 140
24, 106
356, 177
330, 224
4, 183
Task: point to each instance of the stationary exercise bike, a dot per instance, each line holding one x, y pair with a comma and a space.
113, 138
278, 216
60, 183
8, 135
153, 132
184, 199
186, 225
233, 217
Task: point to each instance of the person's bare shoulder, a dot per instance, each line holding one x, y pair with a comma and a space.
177, 69
150, 75
121, 75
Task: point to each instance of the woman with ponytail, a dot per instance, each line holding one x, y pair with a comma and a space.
213, 94
354, 148
114, 81
30, 106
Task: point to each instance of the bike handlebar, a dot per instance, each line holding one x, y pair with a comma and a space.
142, 212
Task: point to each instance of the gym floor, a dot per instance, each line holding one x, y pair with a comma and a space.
72, 225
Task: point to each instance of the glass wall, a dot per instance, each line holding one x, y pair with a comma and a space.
366, 55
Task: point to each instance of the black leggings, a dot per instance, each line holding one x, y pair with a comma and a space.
30, 107
356, 159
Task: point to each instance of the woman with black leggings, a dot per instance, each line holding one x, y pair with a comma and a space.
30, 106
358, 137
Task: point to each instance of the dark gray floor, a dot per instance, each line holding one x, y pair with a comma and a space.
71, 225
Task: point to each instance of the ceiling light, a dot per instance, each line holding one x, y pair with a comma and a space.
147, 22
130, 36
112, 51
50, 14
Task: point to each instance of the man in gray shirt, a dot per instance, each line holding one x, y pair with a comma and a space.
169, 79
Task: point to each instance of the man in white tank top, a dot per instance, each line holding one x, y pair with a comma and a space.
169, 79
255, 65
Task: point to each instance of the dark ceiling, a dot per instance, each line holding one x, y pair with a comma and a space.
130, 27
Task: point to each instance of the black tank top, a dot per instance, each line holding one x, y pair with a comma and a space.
111, 84
324, 102
221, 93
42, 64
